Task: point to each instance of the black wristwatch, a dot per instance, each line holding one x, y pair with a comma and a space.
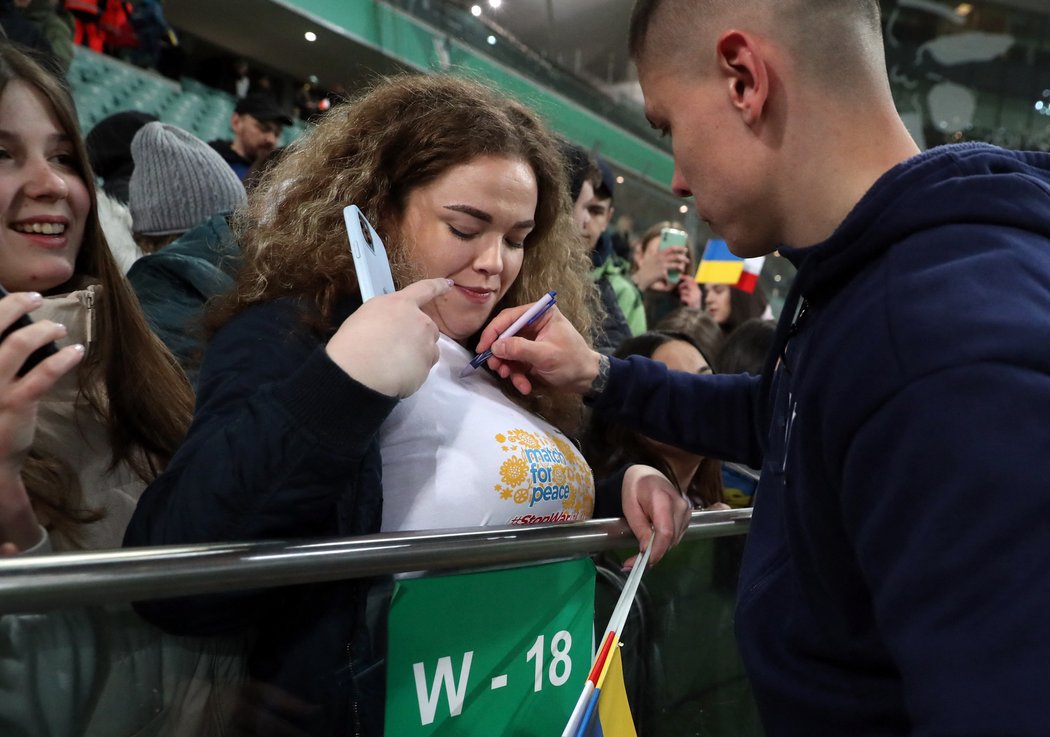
598, 385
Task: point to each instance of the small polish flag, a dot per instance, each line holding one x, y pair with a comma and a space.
749, 277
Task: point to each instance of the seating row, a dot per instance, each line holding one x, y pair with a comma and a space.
103, 85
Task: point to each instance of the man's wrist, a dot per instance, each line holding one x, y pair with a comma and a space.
601, 378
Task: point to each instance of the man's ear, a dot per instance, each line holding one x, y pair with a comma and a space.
744, 68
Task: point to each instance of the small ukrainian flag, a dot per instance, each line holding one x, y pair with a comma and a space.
719, 266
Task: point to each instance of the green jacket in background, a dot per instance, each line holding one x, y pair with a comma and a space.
617, 272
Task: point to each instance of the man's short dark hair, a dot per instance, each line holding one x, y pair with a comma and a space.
606, 185
641, 18
645, 10
581, 168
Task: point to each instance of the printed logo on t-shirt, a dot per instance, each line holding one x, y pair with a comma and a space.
540, 471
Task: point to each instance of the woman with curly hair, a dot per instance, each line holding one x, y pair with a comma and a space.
309, 423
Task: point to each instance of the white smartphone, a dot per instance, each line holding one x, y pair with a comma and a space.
370, 261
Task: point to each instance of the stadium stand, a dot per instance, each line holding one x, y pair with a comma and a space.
103, 85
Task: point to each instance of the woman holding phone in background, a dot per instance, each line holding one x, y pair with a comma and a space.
84, 431
309, 423
662, 271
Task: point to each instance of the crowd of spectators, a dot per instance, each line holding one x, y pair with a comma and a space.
134, 30
200, 366
139, 272
132, 272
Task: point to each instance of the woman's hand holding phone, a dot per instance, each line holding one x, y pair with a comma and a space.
19, 398
655, 264
389, 344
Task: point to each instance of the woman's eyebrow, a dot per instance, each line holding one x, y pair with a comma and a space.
6, 135
472, 211
486, 217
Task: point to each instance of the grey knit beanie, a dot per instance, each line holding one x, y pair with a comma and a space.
178, 182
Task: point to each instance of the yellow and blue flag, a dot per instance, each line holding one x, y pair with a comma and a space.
602, 709
718, 265
608, 713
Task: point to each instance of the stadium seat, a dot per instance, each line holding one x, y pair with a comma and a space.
103, 85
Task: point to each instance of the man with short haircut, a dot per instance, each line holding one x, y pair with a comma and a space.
257, 124
897, 573
600, 205
584, 179
613, 272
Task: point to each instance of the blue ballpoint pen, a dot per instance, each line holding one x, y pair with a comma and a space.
531, 315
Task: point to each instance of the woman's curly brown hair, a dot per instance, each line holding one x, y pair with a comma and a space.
372, 151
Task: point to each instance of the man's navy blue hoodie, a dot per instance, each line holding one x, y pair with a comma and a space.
897, 574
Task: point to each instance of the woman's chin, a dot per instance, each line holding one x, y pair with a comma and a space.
461, 332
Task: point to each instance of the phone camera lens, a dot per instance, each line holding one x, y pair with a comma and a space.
365, 231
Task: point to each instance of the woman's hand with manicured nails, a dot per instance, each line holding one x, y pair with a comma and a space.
389, 344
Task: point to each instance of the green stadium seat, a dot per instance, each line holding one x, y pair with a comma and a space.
103, 85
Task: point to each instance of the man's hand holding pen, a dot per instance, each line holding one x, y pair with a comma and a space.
549, 351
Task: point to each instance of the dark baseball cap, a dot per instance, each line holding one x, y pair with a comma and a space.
262, 107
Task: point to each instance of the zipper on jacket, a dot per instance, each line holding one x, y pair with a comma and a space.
795, 329
89, 305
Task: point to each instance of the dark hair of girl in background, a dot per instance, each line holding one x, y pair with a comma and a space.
608, 447
744, 350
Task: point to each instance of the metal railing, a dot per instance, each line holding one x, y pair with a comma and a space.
68, 580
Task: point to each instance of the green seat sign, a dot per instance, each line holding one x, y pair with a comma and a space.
496, 652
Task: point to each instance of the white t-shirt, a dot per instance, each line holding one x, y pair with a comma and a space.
458, 453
